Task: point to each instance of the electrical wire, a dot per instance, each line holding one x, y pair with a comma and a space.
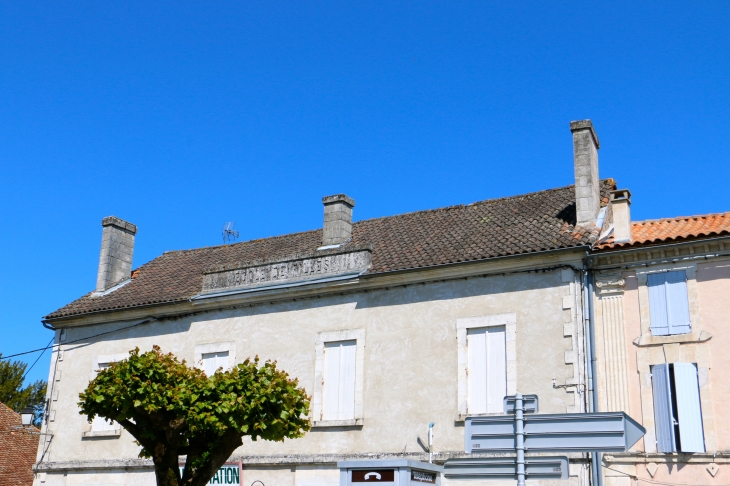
36, 360
80, 339
653, 481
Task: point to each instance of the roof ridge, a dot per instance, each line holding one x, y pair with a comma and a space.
679, 218
483, 201
285, 235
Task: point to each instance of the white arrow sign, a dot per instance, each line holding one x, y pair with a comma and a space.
506, 468
569, 432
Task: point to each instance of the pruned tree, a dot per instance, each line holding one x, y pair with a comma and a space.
172, 410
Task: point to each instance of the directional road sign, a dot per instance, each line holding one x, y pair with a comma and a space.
529, 404
542, 467
569, 432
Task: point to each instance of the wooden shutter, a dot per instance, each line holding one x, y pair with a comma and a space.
213, 361
487, 370
496, 369
331, 384
347, 381
663, 416
658, 304
476, 347
689, 410
677, 302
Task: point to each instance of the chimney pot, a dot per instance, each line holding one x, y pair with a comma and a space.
621, 207
337, 219
587, 183
117, 249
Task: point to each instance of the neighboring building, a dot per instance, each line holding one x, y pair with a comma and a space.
18, 448
389, 324
662, 310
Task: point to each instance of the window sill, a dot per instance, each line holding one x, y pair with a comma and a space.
462, 418
692, 337
109, 434
338, 423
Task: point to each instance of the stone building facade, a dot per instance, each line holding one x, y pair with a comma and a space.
389, 323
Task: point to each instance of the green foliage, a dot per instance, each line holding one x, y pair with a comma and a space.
172, 409
14, 395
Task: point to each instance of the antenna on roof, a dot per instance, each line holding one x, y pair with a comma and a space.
229, 234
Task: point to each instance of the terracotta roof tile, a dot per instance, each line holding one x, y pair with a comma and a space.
671, 229
515, 225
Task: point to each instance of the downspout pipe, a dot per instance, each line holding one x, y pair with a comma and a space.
597, 460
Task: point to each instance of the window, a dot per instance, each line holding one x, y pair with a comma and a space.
100, 424
677, 409
668, 303
486, 369
339, 380
213, 361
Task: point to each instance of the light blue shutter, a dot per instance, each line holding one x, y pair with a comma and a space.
677, 302
658, 304
663, 419
689, 410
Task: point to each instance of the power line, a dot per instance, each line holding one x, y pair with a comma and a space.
80, 339
36, 360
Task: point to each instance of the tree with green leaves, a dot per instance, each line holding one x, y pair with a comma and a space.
17, 397
172, 410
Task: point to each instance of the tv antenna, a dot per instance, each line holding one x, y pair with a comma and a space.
229, 234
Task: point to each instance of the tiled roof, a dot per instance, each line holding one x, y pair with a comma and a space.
17, 450
514, 225
673, 229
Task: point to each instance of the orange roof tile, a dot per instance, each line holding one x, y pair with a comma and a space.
670, 229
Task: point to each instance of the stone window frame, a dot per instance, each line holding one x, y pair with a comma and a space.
509, 321
696, 334
218, 347
357, 335
97, 360
675, 353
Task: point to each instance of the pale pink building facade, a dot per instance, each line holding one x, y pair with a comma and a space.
662, 311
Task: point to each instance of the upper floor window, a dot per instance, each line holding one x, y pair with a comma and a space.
100, 424
668, 303
486, 369
677, 408
339, 380
213, 361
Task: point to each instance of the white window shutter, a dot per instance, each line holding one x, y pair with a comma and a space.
689, 410
213, 361
331, 384
100, 424
496, 369
658, 304
677, 302
476, 348
663, 416
347, 381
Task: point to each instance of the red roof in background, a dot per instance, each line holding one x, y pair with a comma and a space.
671, 229
17, 450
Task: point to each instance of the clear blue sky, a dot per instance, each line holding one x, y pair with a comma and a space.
180, 116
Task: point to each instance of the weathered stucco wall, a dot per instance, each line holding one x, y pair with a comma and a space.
410, 359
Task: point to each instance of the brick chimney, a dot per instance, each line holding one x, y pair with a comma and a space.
117, 248
585, 157
337, 219
621, 207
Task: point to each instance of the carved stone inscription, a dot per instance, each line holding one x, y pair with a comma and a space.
286, 271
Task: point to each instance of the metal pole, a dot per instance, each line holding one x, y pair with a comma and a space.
520, 435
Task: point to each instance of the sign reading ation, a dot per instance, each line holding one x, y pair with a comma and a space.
228, 474
310, 267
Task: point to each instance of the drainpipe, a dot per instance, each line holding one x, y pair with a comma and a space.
596, 462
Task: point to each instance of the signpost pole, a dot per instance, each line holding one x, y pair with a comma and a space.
520, 433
